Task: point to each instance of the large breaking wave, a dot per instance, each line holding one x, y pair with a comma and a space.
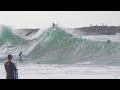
55, 45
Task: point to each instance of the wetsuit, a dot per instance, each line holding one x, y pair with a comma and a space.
20, 56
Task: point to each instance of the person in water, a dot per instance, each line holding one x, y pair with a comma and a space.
20, 55
108, 41
10, 68
53, 25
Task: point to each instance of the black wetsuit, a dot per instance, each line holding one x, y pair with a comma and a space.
53, 25
20, 56
108, 41
10, 69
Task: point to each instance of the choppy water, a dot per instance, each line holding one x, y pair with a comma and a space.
61, 54
57, 46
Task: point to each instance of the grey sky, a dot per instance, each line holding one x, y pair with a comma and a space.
33, 19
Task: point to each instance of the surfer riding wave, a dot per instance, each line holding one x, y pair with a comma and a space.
20, 55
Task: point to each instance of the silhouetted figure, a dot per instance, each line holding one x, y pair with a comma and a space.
53, 25
108, 41
21, 56
10, 68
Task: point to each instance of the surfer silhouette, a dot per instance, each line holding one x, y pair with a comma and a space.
108, 41
53, 25
20, 55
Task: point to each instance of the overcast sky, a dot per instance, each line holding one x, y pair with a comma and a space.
35, 19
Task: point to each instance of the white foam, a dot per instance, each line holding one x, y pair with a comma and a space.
114, 38
76, 71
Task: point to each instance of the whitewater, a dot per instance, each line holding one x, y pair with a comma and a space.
57, 53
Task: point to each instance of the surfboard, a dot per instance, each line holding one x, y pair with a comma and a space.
28, 33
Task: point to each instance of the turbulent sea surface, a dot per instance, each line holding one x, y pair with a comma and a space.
58, 53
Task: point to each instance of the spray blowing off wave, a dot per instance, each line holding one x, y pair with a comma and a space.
55, 45
58, 46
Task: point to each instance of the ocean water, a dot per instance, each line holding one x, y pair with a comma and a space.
61, 54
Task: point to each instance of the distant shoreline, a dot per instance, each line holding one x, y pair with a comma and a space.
90, 30
98, 30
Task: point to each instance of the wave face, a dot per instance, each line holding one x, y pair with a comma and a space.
56, 46
10, 43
